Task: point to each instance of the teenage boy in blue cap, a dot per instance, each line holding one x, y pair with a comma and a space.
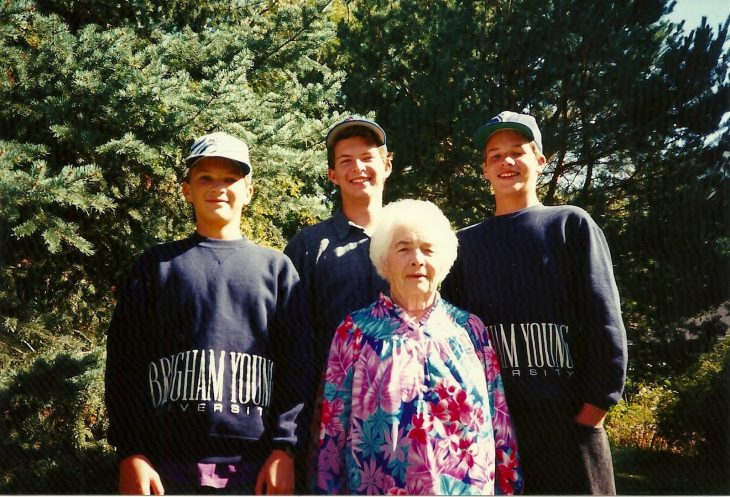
333, 256
205, 357
541, 278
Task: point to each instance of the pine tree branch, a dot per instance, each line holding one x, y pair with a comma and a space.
305, 27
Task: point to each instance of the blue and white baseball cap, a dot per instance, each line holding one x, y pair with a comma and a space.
350, 122
220, 144
524, 124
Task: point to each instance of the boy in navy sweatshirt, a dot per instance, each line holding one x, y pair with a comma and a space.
205, 353
541, 278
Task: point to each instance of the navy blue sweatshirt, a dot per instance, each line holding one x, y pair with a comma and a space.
206, 358
541, 279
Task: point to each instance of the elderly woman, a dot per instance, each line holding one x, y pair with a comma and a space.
413, 397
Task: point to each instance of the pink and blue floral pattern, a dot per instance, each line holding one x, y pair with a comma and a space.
415, 408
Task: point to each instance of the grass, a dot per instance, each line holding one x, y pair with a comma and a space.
645, 472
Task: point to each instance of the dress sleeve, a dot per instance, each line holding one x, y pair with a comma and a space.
508, 471
334, 443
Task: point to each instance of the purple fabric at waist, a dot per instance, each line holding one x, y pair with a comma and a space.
215, 475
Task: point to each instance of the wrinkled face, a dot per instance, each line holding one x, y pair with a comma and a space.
359, 169
511, 165
218, 191
412, 266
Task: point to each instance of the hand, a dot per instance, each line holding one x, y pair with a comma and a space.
138, 477
590, 415
277, 475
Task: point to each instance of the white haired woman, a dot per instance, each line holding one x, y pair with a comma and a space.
413, 397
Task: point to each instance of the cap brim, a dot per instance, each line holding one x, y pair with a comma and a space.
481, 135
191, 160
339, 128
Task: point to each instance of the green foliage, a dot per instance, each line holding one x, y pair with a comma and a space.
631, 108
696, 418
669, 234
687, 414
682, 411
31, 193
52, 427
100, 105
633, 421
671, 350
650, 472
101, 100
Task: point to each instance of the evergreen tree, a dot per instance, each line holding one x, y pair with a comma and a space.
100, 105
625, 101
671, 230
101, 101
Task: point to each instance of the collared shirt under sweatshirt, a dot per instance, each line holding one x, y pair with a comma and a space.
333, 261
415, 408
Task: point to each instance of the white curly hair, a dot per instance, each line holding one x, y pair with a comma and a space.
423, 217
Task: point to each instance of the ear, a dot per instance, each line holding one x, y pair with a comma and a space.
541, 161
331, 176
388, 167
186, 192
248, 192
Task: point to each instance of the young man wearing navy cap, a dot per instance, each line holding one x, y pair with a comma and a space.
541, 278
206, 361
332, 257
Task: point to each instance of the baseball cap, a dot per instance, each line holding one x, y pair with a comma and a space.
522, 123
350, 122
220, 144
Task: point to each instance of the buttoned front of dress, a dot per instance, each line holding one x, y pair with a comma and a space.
408, 408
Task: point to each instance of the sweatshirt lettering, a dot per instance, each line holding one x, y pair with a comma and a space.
200, 376
533, 347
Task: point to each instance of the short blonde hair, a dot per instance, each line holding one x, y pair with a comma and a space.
421, 216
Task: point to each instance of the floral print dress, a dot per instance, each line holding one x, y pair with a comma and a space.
415, 408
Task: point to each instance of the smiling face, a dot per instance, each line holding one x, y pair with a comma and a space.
411, 266
359, 170
512, 165
218, 190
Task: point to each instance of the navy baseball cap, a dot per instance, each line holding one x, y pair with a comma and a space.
220, 144
352, 121
524, 124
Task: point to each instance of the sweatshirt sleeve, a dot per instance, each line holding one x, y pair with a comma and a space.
293, 372
296, 251
605, 359
125, 394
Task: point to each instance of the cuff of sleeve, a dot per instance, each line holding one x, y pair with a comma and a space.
124, 452
285, 446
604, 403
